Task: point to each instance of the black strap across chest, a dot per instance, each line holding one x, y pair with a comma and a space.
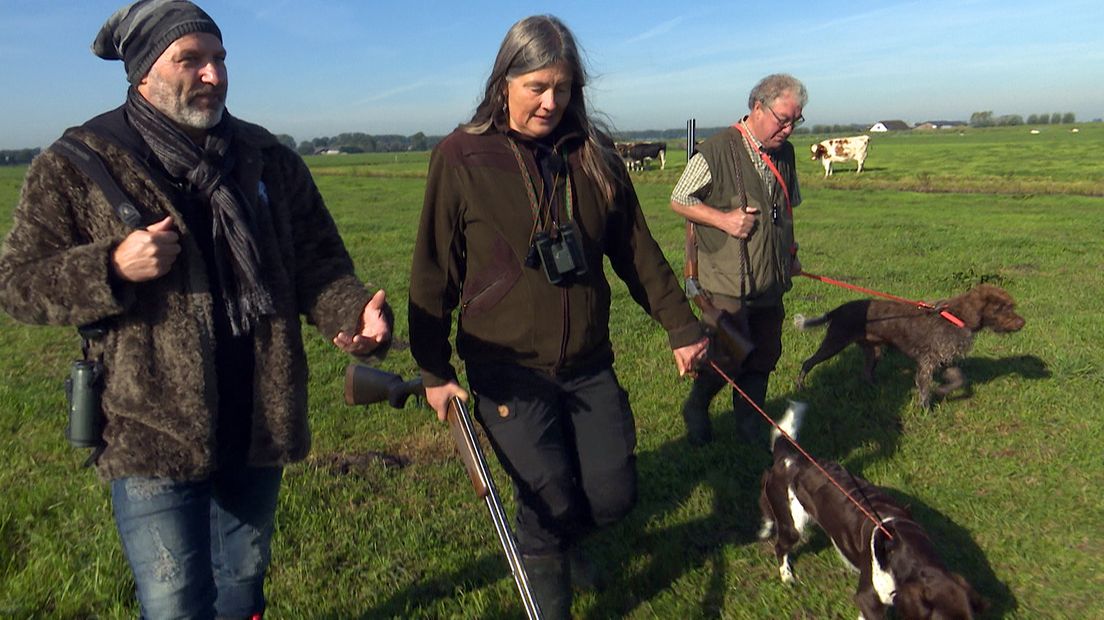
91, 164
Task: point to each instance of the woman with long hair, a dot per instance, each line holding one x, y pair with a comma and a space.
521, 205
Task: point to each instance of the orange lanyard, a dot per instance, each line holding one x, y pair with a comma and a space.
770, 164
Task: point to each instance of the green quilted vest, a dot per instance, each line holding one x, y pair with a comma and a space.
763, 275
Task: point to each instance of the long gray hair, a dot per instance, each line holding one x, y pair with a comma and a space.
530, 45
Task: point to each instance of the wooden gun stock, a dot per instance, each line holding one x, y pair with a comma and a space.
728, 334
463, 434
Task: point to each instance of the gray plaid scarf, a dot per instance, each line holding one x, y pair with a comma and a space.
208, 170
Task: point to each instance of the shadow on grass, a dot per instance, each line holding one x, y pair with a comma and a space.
961, 554
676, 476
846, 413
420, 599
982, 370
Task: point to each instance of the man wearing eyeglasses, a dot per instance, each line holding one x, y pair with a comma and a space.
739, 191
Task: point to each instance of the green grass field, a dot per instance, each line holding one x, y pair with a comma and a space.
1006, 480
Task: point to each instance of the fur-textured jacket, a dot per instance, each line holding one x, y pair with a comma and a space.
160, 391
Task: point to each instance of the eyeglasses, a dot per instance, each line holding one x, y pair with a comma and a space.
793, 124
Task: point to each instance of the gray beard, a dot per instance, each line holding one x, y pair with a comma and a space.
165, 99
194, 118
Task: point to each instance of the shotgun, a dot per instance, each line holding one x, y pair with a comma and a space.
728, 333
365, 385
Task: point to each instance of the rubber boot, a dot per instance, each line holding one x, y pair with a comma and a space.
550, 583
750, 425
695, 409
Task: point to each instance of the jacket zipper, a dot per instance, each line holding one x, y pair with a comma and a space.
464, 305
563, 336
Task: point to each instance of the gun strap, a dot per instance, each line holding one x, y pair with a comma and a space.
745, 257
91, 164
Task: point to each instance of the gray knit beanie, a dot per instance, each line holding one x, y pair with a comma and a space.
139, 33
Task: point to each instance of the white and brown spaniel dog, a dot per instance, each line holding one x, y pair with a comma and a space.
900, 570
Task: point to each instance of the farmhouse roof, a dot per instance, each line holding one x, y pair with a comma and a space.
893, 125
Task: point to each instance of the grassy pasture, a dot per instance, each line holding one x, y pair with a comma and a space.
1006, 480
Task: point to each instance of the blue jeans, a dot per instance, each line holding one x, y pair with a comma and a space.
198, 549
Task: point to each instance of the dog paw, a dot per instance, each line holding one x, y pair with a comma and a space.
799, 321
766, 530
786, 573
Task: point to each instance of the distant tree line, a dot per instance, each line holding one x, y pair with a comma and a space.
986, 119
1051, 119
11, 157
368, 143
850, 128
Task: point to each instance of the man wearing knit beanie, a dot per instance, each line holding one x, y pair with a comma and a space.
137, 34
141, 33
198, 307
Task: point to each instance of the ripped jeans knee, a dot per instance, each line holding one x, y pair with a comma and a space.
198, 549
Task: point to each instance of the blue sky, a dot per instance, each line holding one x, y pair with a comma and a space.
318, 68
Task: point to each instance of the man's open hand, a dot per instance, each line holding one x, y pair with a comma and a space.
373, 328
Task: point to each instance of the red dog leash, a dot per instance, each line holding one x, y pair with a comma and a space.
954, 320
793, 441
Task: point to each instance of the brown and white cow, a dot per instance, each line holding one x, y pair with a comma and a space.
637, 154
841, 149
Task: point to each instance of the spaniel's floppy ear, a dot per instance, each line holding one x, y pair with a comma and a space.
977, 602
968, 307
910, 600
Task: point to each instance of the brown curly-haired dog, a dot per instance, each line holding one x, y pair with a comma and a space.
930, 340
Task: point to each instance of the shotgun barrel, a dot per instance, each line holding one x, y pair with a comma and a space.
463, 433
365, 385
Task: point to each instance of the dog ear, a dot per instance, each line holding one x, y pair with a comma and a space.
968, 307
977, 602
884, 545
910, 600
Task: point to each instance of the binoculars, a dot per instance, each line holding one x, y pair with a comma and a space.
82, 389
561, 256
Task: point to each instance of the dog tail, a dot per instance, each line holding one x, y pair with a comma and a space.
791, 423
802, 322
